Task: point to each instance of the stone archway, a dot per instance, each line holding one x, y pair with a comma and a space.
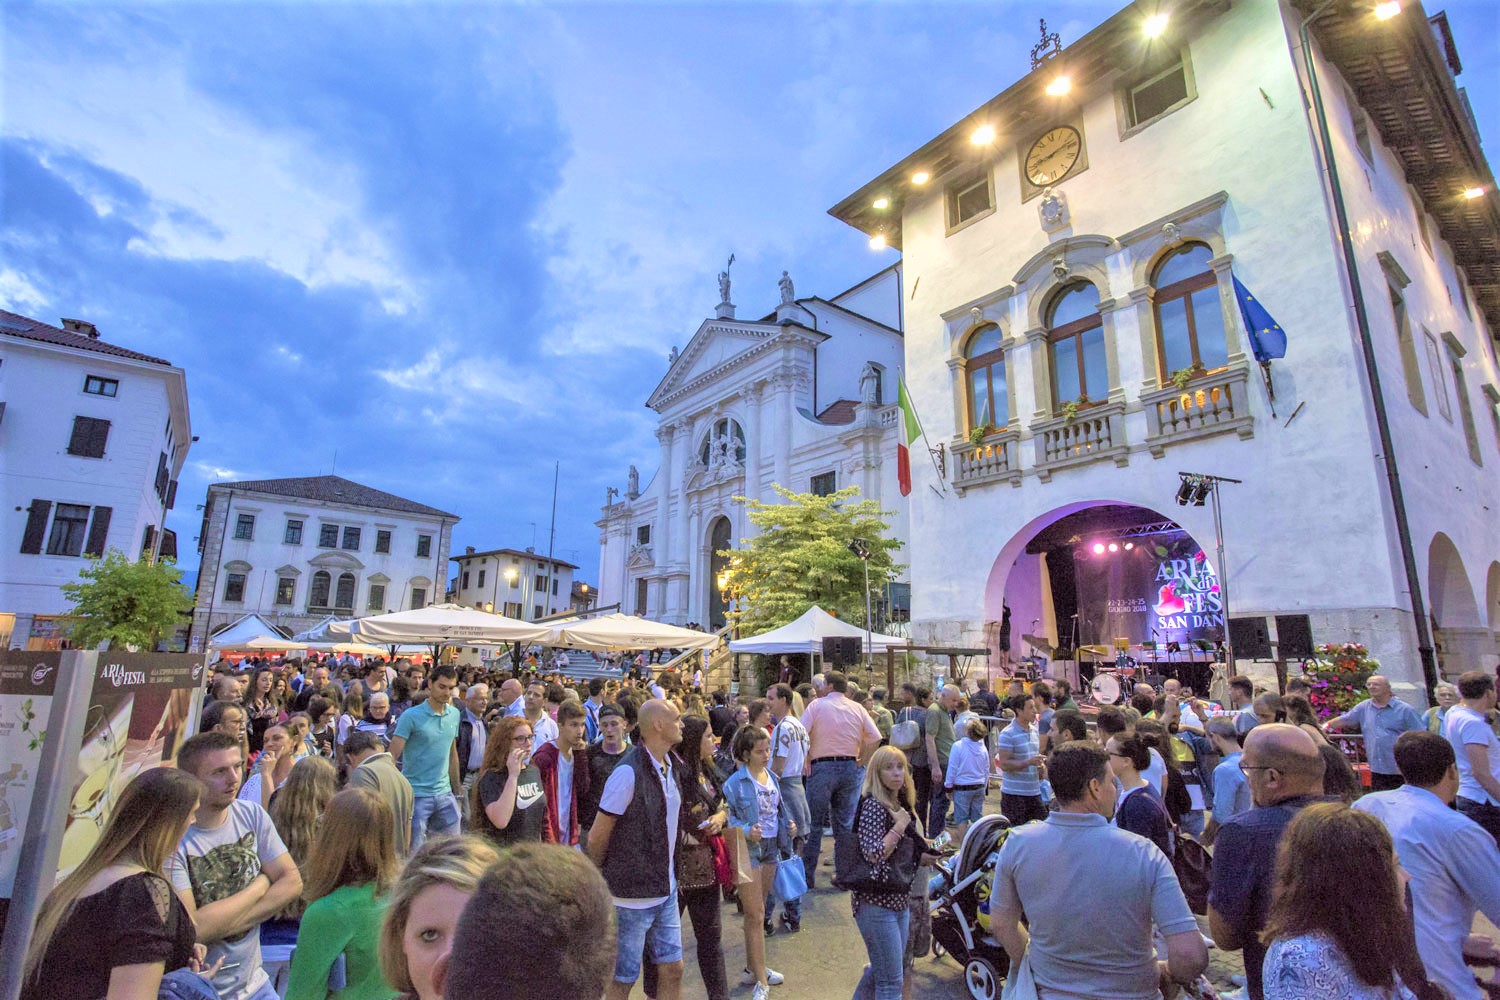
720, 538
1462, 639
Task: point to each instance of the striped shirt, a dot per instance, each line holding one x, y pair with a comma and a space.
1023, 744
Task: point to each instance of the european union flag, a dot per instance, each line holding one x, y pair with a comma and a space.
1267, 338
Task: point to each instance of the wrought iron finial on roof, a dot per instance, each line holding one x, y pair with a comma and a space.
1050, 47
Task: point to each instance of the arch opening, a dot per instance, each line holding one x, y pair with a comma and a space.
720, 538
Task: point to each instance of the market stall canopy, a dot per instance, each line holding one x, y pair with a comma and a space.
260, 643
617, 631
352, 648
443, 623
806, 635
242, 630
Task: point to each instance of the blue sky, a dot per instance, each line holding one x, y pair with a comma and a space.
452, 244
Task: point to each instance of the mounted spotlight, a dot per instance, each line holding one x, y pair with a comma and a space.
1114, 546
1185, 490
1098, 548
1129, 546
1201, 490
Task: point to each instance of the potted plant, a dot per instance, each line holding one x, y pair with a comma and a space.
1071, 407
978, 434
1338, 673
1180, 378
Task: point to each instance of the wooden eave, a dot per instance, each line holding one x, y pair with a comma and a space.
1401, 77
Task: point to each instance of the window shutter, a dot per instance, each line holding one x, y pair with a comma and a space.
146, 543
98, 438
78, 444
172, 494
36, 527
98, 531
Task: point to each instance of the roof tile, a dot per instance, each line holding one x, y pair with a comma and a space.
334, 489
16, 325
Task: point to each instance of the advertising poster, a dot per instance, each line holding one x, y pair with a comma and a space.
27, 680
1162, 589
143, 706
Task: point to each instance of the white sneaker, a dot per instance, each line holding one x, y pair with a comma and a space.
761, 992
773, 977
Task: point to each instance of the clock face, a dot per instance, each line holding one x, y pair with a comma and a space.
1053, 155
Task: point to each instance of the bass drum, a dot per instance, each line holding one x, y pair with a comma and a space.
1106, 689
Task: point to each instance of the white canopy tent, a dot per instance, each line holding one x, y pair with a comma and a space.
806, 635
261, 643
442, 623
617, 631
242, 630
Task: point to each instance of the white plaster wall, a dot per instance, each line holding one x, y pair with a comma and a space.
498, 590
878, 297
42, 387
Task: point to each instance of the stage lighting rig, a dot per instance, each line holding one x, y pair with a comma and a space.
1196, 488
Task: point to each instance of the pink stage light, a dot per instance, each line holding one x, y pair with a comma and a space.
1098, 548
1129, 546
1114, 547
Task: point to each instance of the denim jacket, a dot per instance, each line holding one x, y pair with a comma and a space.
744, 808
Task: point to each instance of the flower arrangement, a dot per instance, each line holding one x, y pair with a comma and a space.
1338, 673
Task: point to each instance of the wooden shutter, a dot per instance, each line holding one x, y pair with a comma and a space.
36, 527
78, 444
98, 439
98, 531
172, 494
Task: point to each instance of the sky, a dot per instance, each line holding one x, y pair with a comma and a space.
438, 248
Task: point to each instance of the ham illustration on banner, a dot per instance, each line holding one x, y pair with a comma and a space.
911, 429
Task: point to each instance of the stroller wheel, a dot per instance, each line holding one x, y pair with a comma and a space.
982, 979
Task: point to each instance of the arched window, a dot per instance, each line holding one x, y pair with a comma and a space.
344, 596
727, 438
318, 596
984, 371
1189, 320
1075, 346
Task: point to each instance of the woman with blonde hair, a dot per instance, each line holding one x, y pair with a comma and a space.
296, 811
423, 910
890, 839
113, 927
352, 867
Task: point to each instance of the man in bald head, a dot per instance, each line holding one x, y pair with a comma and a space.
508, 698
1285, 772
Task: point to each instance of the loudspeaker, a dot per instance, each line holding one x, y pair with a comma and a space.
1250, 638
840, 651
1294, 639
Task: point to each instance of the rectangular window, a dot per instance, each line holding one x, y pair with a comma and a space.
1360, 123
554, 586
69, 526
541, 582
640, 596
512, 609
643, 535
328, 536
1439, 384
968, 199
1156, 95
163, 476
1410, 368
536, 612
424, 546
418, 598
481, 578
89, 437
351, 539
293, 534
377, 597
244, 527
286, 589
234, 587
96, 385
382, 541
1465, 411
465, 584
148, 541
824, 483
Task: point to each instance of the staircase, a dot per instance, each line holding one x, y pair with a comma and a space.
583, 664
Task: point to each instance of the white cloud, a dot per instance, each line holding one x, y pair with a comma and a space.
18, 294
474, 387
217, 473
223, 187
288, 355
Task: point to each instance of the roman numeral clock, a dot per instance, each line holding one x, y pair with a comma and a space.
1054, 155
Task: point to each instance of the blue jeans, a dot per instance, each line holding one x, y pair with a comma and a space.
658, 928
937, 811
885, 933
433, 814
833, 785
1192, 822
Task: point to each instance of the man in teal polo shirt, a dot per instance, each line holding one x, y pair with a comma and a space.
426, 747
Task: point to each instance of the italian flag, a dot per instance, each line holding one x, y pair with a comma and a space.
911, 429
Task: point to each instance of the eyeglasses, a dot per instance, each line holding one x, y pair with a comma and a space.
521, 738
1247, 768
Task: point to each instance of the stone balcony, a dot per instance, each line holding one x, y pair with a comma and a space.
1216, 403
996, 459
1092, 435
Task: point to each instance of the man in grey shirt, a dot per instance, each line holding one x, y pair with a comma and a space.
371, 767
1038, 874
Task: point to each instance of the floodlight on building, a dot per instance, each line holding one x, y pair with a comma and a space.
1473, 192
881, 203
1155, 26
1387, 9
877, 242
1059, 86
920, 177
983, 135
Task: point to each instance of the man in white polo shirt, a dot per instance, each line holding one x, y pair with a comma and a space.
1477, 751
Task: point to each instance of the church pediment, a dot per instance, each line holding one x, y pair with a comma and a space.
716, 346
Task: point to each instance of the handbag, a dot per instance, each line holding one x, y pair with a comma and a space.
907, 733
697, 865
1194, 867
853, 873
791, 879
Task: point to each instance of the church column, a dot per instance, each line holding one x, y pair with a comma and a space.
753, 437
663, 531
783, 439
696, 567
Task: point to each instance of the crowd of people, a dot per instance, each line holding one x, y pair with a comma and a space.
368, 831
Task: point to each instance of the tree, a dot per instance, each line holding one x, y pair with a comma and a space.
126, 603
802, 557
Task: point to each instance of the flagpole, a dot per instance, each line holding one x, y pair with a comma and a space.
931, 456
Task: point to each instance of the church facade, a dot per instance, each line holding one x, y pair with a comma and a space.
804, 397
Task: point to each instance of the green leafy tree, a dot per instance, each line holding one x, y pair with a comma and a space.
802, 557
126, 603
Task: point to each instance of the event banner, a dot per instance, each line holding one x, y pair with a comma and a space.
142, 707
27, 680
1163, 588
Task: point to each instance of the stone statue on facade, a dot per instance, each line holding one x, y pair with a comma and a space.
869, 384
672, 358
723, 288
788, 296
1053, 209
633, 484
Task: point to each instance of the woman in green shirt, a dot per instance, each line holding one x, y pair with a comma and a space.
352, 867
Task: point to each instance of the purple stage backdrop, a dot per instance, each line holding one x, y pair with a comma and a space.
1163, 583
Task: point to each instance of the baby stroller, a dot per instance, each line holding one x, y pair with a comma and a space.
956, 909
